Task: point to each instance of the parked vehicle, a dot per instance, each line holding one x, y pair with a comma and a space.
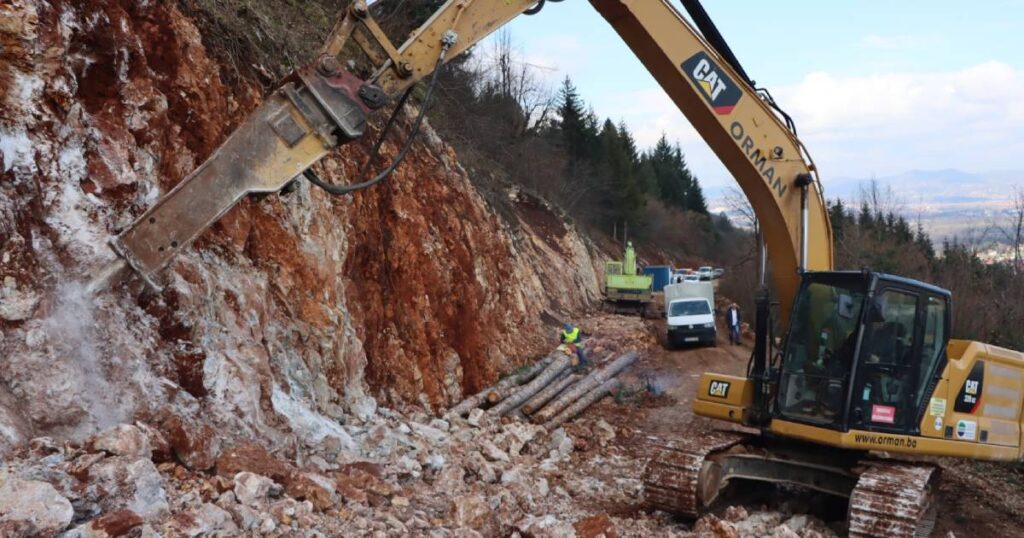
718, 272
691, 278
706, 272
689, 313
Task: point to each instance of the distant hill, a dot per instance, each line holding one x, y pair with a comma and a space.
947, 202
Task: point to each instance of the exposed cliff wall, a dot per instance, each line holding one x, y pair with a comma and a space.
290, 315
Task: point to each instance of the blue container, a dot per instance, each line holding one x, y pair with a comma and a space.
662, 275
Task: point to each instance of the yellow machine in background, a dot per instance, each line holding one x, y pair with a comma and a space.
624, 285
866, 367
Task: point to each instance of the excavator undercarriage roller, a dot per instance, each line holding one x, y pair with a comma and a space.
686, 477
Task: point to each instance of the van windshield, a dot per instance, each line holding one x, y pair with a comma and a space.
688, 308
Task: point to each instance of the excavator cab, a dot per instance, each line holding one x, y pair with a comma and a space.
862, 351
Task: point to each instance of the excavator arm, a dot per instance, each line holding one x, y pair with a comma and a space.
322, 106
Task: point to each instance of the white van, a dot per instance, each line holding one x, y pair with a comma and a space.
690, 314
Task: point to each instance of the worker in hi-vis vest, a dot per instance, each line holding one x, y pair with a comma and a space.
571, 337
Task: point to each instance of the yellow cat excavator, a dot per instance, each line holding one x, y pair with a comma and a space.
866, 368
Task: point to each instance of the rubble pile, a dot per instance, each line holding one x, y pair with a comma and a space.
407, 475
410, 476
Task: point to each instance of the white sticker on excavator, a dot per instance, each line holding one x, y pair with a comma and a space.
966, 430
938, 423
937, 407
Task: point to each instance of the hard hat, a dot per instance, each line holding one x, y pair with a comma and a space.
568, 327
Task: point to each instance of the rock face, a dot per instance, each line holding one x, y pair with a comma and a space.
292, 314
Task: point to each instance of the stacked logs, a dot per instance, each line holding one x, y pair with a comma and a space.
548, 392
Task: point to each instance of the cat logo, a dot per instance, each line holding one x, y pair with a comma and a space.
719, 389
717, 88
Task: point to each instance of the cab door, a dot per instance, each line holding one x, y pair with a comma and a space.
884, 394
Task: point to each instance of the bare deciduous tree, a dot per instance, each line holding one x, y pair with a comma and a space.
1011, 229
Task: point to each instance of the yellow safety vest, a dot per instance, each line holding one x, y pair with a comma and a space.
571, 337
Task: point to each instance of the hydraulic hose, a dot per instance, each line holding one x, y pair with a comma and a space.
353, 187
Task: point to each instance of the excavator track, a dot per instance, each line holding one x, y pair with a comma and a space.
672, 479
893, 499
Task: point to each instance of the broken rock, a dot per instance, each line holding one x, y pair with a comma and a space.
599, 526
429, 433
560, 444
251, 488
547, 526
195, 444
710, 525
34, 504
208, 519
603, 432
472, 511
478, 465
122, 440
312, 487
492, 452
117, 523
128, 484
475, 417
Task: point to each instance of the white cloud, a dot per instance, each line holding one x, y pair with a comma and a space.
971, 119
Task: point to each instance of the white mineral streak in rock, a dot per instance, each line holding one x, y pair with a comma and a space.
309, 424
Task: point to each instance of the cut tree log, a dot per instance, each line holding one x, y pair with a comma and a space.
588, 399
474, 401
499, 391
584, 386
544, 396
559, 363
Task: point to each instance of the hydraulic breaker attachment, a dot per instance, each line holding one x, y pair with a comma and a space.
317, 109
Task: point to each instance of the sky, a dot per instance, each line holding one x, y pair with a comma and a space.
876, 88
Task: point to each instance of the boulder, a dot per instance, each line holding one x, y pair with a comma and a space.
34, 506
255, 459
122, 440
252, 489
317, 489
122, 483
194, 443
